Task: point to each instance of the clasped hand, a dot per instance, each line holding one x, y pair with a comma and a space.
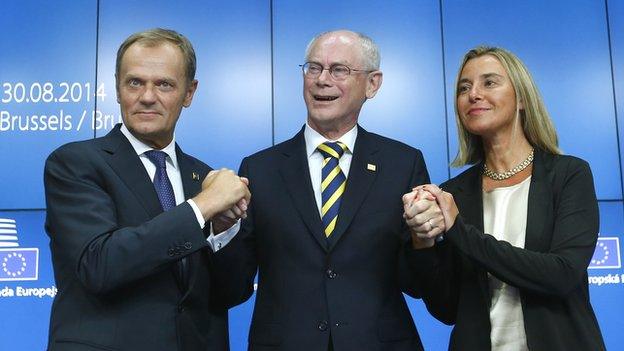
429, 212
224, 198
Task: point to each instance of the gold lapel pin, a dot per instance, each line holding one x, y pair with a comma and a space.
195, 176
371, 167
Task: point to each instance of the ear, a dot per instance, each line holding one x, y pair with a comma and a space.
373, 83
190, 92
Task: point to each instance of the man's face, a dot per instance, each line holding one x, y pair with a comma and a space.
151, 90
334, 105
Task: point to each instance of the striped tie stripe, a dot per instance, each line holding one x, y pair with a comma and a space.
335, 196
332, 174
333, 183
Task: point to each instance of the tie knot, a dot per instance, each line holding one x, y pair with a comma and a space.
332, 149
157, 157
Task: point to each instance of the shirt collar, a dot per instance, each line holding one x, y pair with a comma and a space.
140, 147
313, 139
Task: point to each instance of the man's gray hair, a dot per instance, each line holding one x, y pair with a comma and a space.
370, 52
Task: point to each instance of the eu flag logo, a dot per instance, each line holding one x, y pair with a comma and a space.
607, 254
19, 264
16, 263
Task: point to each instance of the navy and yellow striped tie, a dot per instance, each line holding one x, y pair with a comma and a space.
333, 183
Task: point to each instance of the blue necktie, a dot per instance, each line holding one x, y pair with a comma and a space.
161, 180
163, 187
333, 183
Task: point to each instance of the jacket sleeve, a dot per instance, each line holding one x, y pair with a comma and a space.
574, 233
436, 272
87, 239
407, 271
235, 265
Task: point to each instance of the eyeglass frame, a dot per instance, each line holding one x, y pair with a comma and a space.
331, 68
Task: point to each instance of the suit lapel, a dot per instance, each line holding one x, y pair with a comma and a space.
122, 158
469, 199
191, 175
539, 200
296, 176
359, 183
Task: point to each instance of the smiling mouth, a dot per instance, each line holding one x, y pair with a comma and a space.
324, 98
477, 111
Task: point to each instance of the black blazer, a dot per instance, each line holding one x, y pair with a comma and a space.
350, 285
551, 272
115, 255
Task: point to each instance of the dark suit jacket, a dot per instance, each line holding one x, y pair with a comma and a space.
350, 285
551, 272
115, 255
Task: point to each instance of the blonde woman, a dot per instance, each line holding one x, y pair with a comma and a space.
520, 226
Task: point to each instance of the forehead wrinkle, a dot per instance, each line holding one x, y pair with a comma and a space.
316, 58
331, 64
492, 74
149, 65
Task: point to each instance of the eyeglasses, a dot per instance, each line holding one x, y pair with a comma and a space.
338, 71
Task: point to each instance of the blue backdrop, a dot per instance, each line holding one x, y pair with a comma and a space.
57, 85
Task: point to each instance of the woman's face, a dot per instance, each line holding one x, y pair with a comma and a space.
486, 100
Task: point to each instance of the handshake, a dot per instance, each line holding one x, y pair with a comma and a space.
429, 212
223, 199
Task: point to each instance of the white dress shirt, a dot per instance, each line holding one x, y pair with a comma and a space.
215, 242
315, 159
505, 217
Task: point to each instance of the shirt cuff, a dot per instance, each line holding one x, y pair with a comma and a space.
219, 240
198, 214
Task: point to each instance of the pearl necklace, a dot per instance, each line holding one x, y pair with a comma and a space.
510, 173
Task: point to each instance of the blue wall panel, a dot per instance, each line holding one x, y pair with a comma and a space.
46, 67
566, 48
240, 319
616, 22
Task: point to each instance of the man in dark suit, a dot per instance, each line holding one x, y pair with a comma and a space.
128, 213
325, 229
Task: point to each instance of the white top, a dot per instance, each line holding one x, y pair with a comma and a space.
505, 217
215, 242
315, 159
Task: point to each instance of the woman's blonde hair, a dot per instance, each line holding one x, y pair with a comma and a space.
536, 123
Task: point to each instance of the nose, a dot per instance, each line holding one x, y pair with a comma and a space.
474, 94
324, 78
148, 96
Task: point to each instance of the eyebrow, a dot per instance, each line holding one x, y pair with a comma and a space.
130, 77
163, 78
485, 75
490, 75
